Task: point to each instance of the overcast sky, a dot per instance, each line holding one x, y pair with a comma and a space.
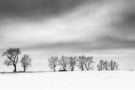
44, 28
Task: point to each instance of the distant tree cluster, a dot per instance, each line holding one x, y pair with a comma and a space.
107, 65
12, 55
69, 63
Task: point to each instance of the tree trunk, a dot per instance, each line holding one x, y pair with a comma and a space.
64, 69
54, 69
82, 68
72, 69
87, 67
24, 69
14, 68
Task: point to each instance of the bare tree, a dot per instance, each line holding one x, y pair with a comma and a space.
88, 63
72, 63
25, 62
113, 65
81, 62
106, 65
63, 63
12, 57
53, 63
100, 65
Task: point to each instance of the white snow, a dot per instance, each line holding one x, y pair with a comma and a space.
92, 80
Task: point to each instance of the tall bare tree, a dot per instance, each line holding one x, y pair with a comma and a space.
12, 57
25, 62
88, 63
81, 62
63, 63
53, 63
72, 62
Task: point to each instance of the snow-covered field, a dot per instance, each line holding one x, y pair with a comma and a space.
92, 80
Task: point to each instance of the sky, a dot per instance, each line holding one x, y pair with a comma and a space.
43, 28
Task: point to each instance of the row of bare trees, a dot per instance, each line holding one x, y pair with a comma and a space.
65, 63
12, 55
82, 62
107, 65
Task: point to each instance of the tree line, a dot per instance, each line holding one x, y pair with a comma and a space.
69, 63
65, 63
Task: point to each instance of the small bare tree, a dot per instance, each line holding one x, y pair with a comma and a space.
12, 57
100, 65
25, 62
113, 65
63, 63
88, 63
72, 63
106, 65
53, 63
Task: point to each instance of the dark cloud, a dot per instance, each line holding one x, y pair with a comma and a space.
121, 35
122, 28
127, 24
37, 7
125, 19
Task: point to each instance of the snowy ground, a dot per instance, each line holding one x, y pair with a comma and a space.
93, 80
